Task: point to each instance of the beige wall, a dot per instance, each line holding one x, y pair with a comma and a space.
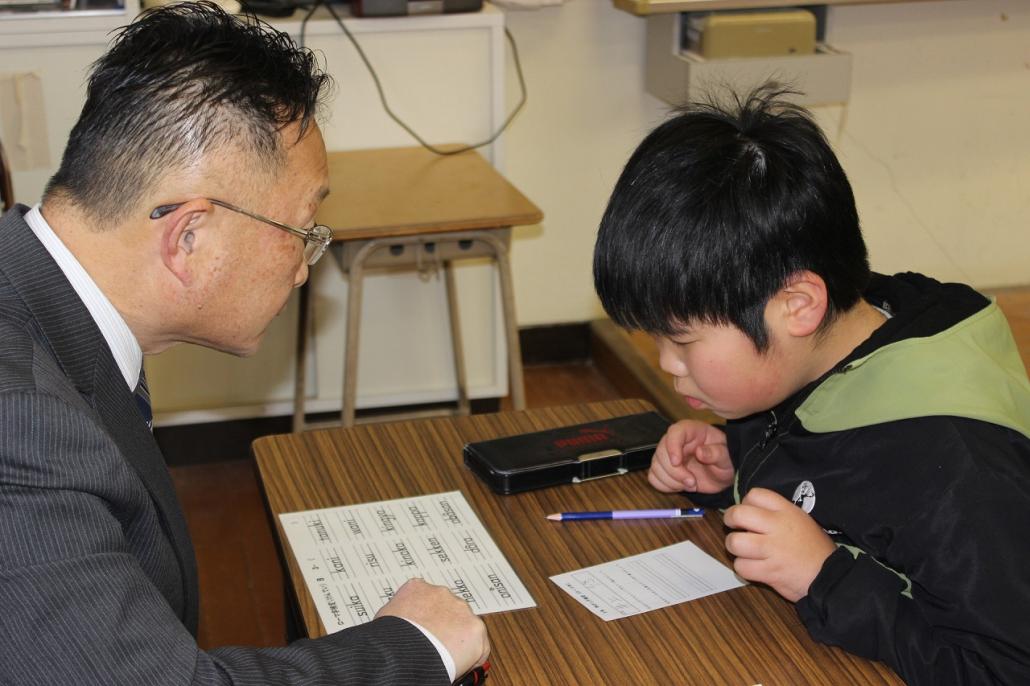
935, 139
441, 73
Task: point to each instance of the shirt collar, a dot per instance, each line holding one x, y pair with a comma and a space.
123, 344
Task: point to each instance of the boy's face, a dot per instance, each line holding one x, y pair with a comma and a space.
717, 367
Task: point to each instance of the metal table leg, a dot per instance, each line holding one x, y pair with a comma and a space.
457, 347
300, 374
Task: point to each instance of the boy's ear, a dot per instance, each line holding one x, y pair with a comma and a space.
180, 237
803, 302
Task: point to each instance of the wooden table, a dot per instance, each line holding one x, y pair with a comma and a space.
738, 638
409, 207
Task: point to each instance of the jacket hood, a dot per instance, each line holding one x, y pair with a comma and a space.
946, 351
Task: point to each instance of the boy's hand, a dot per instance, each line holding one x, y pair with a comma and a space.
777, 543
692, 456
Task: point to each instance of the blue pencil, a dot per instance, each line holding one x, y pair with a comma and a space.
679, 513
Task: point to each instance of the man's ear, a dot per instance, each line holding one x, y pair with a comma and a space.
180, 238
803, 303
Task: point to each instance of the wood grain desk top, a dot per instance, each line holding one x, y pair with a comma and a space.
738, 638
404, 191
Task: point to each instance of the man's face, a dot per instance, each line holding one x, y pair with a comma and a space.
717, 367
259, 265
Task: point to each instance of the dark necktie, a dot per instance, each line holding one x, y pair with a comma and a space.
142, 394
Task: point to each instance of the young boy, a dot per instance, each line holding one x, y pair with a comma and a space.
877, 447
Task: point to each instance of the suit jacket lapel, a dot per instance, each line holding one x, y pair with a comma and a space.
82, 352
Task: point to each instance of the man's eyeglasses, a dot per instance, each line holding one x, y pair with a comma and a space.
316, 239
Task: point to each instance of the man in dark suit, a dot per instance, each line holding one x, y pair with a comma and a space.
182, 212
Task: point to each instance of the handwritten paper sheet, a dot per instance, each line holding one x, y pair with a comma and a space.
659, 578
355, 557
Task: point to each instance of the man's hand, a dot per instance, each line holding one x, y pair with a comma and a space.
692, 456
777, 543
445, 616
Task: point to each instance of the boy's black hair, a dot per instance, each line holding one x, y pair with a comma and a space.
177, 83
717, 208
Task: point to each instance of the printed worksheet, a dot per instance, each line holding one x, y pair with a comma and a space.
648, 581
354, 557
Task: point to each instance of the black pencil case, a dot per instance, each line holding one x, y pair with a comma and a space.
569, 454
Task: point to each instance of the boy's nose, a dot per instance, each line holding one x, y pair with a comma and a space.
668, 360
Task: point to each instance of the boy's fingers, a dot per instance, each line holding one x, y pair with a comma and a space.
663, 479
689, 483
714, 436
712, 454
661, 451
674, 450
680, 440
745, 545
767, 500
747, 517
658, 482
748, 568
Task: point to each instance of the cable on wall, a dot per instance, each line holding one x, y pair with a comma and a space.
382, 95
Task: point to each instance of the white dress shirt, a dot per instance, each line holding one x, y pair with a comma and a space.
121, 341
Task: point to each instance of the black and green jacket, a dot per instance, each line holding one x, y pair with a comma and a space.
913, 454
